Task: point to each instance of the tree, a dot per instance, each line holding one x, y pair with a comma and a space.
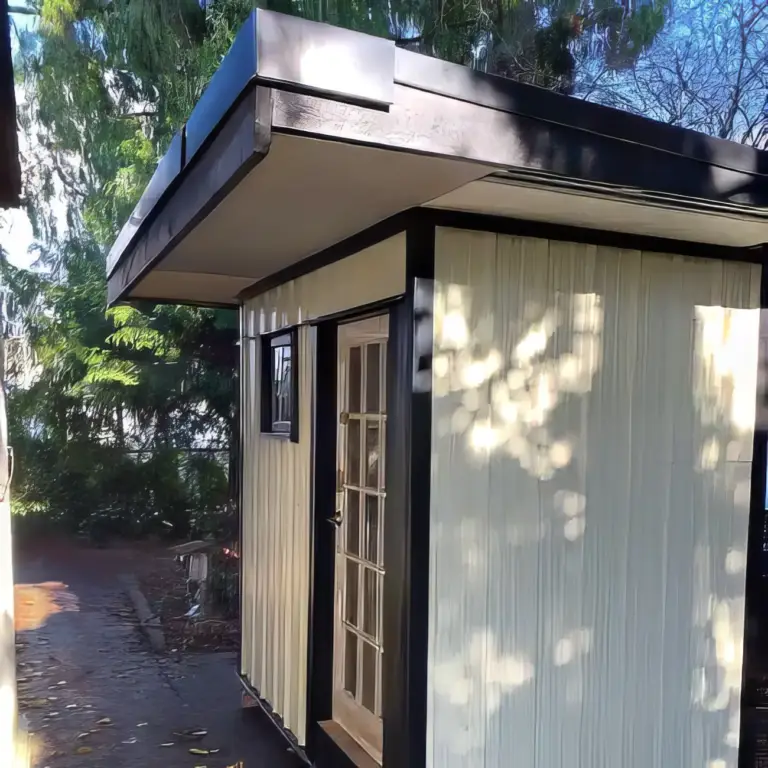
124, 399
130, 413
708, 70
110, 424
543, 42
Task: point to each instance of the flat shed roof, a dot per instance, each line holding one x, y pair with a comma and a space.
308, 134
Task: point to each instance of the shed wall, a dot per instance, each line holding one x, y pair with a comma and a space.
371, 275
593, 418
277, 474
276, 544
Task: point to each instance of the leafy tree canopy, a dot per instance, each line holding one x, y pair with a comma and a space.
109, 410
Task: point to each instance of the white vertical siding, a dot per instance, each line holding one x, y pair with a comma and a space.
276, 543
277, 502
593, 415
368, 276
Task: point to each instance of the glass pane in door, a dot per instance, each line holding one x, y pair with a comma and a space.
372, 454
353, 522
371, 529
369, 678
372, 378
350, 663
353, 451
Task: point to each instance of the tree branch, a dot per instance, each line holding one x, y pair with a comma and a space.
140, 113
23, 9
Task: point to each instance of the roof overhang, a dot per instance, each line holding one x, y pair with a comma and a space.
10, 171
309, 134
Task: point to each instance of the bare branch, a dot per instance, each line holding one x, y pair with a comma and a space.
23, 9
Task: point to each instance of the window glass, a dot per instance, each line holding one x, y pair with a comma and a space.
278, 385
281, 385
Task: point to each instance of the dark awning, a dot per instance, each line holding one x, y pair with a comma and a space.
10, 172
309, 134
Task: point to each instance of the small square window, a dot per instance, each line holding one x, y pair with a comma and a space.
279, 385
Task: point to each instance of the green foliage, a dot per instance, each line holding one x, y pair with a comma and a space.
108, 420
106, 433
109, 423
57, 15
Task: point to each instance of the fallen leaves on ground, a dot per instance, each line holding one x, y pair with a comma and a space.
35, 703
194, 734
83, 750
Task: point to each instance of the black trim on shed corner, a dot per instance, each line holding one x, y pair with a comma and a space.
753, 741
322, 540
406, 533
240, 497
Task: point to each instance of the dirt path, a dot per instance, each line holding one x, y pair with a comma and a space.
82, 659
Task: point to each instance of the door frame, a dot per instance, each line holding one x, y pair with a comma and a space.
406, 536
360, 723
323, 744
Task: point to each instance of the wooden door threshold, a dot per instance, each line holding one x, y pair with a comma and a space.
356, 754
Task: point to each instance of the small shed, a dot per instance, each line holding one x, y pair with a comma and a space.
503, 454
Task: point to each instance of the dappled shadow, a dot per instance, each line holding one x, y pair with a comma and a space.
592, 442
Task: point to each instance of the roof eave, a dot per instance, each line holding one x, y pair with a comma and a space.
333, 84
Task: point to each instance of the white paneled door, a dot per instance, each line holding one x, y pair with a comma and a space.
360, 503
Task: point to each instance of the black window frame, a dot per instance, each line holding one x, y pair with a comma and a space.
289, 428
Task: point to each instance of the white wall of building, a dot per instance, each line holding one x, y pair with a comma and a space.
277, 492
593, 418
371, 275
276, 544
